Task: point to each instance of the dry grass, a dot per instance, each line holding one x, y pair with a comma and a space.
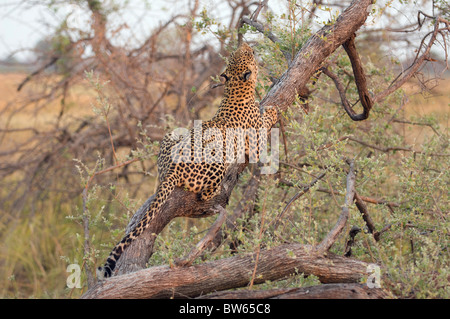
18, 115
423, 104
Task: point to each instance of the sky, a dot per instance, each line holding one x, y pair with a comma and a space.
23, 25
19, 28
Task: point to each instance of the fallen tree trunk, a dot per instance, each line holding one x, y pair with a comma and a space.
327, 291
233, 272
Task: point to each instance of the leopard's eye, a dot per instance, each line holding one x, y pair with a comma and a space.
224, 76
246, 75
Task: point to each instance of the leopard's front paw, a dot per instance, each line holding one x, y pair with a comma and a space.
271, 114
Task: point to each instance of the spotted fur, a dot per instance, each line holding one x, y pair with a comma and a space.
238, 109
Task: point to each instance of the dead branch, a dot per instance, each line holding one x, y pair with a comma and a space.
326, 291
228, 273
360, 80
331, 237
365, 215
205, 241
52, 61
418, 123
272, 37
415, 66
391, 148
351, 241
303, 191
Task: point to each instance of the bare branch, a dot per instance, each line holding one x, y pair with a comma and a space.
272, 37
205, 241
360, 80
303, 190
415, 66
326, 291
331, 237
228, 273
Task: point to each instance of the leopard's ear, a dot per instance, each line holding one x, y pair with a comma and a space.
223, 75
246, 75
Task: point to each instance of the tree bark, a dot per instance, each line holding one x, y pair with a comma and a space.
233, 272
326, 291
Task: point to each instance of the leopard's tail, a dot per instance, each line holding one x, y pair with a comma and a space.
163, 192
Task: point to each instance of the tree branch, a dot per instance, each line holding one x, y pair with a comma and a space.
413, 68
326, 291
205, 241
331, 237
232, 272
360, 80
272, 37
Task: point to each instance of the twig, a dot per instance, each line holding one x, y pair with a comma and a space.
258, 248
205, 241
296, 196
109, 169
332, 235
28, 78
378, 201
261, 5
413, 68
86, 244
417, 123
393, 148
272, 37
364, 198
283, 135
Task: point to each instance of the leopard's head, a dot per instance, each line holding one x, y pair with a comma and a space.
242, 69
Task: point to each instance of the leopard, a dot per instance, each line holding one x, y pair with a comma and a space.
192, 170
